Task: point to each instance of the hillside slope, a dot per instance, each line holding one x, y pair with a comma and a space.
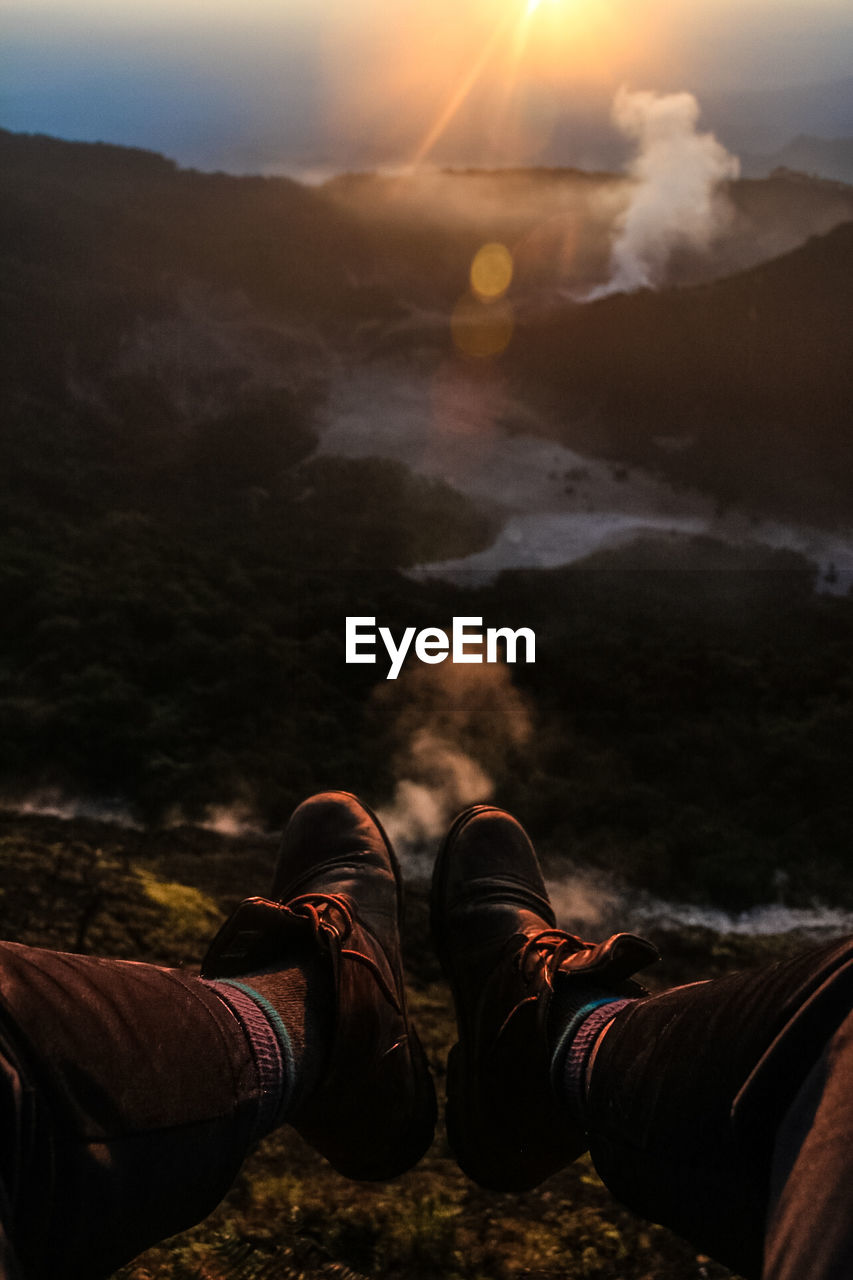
742, 386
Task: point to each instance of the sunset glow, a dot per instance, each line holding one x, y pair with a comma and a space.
542, 41
282, 85
462, 91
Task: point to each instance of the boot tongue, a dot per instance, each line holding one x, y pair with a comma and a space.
531, 924
619, 957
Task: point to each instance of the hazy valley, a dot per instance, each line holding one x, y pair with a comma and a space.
239, 409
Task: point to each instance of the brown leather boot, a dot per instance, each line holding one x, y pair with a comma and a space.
337, 888
494, 931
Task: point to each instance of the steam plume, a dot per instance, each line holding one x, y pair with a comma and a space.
676, 200
443, 781
232, 820
455, 728
51, 802
593, 906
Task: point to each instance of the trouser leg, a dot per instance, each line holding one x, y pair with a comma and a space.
688, 1089
810, 1218
129, 1096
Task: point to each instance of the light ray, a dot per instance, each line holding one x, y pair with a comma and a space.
462, 93
519, 45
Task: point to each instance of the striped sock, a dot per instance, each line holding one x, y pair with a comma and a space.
287, 1015
275, 1075
577, 1018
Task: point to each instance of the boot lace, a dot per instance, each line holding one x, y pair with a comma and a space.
542, 955
333, 915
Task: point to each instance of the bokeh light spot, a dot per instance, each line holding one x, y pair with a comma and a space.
491, 271
481, 329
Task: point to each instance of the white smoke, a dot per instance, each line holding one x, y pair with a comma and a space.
593, 906
50, 802
762, 921
443, 781
676, 201
232, 820
585, 903
455, 728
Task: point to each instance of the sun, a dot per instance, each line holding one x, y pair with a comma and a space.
542, 37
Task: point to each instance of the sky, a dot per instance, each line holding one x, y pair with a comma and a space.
294, 85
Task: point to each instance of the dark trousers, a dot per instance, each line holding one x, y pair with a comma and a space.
130, 1096
722, 1110
810, 1213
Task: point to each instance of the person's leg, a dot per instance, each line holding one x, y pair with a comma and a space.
495, 935
130, 1094
810, 1218
338, 888
678, 1096
687, 1090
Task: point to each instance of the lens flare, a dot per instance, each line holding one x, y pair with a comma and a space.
491, 271
481, 330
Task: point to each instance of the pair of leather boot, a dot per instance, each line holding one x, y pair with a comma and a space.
337, 888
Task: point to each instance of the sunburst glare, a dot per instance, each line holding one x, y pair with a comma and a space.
518, 42
545, 37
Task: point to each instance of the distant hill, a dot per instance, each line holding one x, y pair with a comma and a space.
762, 120
830, 158
166, 538
560, 223
742, 386
91, 210
168, 296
